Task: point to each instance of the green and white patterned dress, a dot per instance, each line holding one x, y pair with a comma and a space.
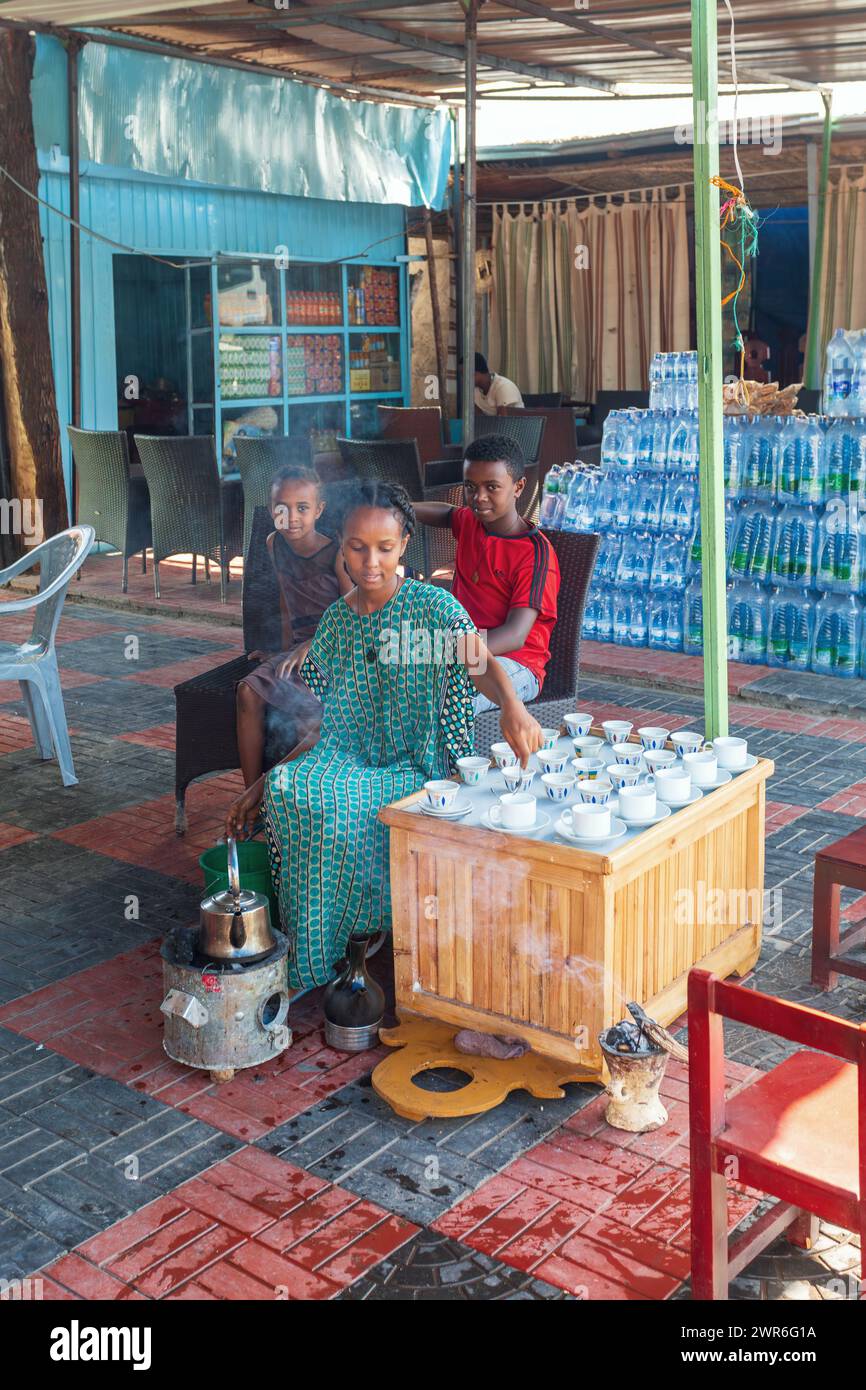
397, 711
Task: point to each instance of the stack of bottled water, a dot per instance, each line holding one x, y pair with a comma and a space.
845, 374
673, 381
795, 518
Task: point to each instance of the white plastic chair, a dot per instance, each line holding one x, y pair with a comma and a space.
34, 663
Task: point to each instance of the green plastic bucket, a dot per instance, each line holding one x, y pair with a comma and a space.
254, 869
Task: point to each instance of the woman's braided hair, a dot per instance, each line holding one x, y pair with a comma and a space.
389, 497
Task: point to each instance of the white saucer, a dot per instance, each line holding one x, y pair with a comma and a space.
722, 778
662, 813
455, 811
695, 796
618, 829
751, 761
541, 820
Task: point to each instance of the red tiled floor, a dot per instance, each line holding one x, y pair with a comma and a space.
598, 1211
101, 580
251, 1227
852, 801
70, 1018
604, 658
160, 736
779, 814
13, 835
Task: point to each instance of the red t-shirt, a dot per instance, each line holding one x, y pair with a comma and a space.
494, 574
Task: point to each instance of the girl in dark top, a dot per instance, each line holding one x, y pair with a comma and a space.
311, 576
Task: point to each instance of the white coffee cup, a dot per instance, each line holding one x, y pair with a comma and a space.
551, 761
588, 767
504, 754
653, 737
685, 741
589, 822
588, 747
515, 810
703, 768
630, 753
637, 802
558, 786
616, 730
473, 770
578, 724
731, 752
550, 737
624, 774
595, 791
441, 793
673, 785
659, 757
517, 778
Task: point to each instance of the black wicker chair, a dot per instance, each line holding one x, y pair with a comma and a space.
206, 724
187, 503
258, 460
114, 504
393, 461
576, 552
527, 429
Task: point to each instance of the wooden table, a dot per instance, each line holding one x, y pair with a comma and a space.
542, 940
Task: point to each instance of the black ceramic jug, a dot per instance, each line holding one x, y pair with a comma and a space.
353, 1004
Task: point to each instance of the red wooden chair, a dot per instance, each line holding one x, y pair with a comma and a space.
797, 1133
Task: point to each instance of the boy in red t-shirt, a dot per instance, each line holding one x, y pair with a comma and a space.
506, 573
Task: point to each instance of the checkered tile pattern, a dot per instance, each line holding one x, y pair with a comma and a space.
126, 1176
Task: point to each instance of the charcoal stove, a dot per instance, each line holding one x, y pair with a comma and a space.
226, 1002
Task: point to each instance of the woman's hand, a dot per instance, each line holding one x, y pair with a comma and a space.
521, 732
243, 813
294, 661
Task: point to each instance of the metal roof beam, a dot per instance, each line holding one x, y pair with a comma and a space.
640, 41
401, 39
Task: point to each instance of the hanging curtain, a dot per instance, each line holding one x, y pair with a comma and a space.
843, 286
582, 297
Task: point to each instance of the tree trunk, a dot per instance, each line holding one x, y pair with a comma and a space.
30, 405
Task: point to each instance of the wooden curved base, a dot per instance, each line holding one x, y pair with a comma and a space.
422, 1044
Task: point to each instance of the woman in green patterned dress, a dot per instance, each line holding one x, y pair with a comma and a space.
396, 664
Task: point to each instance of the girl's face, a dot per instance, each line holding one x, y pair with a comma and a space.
295, 508
373, 546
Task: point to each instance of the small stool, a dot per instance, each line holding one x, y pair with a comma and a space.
841, 865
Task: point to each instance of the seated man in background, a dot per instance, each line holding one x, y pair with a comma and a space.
492, 391
506, 574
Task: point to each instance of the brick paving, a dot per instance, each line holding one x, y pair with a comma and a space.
126, 1176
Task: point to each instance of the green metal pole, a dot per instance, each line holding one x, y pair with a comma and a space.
708, 295
813, 342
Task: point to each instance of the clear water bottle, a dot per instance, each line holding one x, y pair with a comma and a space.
760, 458
550, 506
839, 546
636, 559
839, 368
624, 502
791, 630
857, 398
752, 546
669, 380
605, 503
794, 539
747, 623
621, 616
675, 636
733, 449
629, 439
657, 619
681, 508
845, 452
692, 449
661, 440
579, 514
607, 560
604, 616
678, 443
801, 462
638, 633
656, 371
693, 618
836, 642
670, 558
644, 432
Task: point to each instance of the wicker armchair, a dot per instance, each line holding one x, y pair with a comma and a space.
576, 552
525, 426
423, 423
392, 461
206, 722
114, 504
559, 440
186, 502
258, 460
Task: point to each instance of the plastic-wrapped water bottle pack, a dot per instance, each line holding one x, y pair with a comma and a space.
795, 523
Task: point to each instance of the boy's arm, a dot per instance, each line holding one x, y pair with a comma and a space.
511, 635
433, 513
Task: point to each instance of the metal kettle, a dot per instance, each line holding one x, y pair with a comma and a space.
235, 924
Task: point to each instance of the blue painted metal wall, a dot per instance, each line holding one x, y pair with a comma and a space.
173, 218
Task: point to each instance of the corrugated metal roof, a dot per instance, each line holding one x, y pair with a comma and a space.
417, 48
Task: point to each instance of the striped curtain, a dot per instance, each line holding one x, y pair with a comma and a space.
843, 288
582, 298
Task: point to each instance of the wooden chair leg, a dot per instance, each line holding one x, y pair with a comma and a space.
825, 927
709, 1236
804, 1231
